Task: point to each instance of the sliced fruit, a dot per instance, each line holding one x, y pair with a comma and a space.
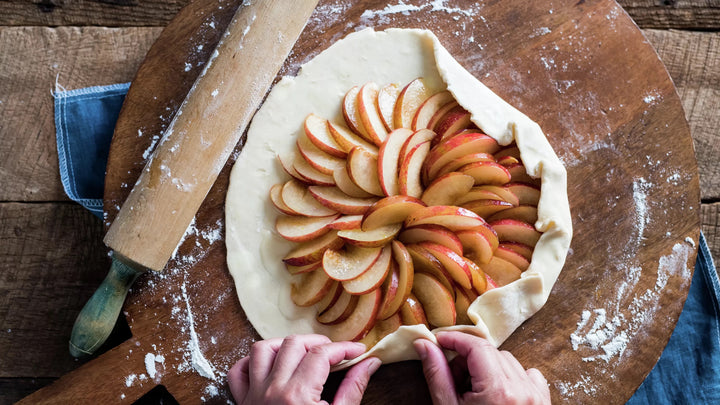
462, 303
435, 299
412, 312
507, 160
298, 199
476, 194
389, 160
360, 321
446, 189
528, 194
479, 281
300, 229
432, 233
309, 174
347, 139
452, 123
390, 210
487, 173
438, 116
409, 100
340, 310
390, 291
502, 191
387, 96
524, 250
516, 231
294, 270
405, 269
489, 234
351, 113
335, 199
310, 289
381, 329
276, 199
286, 161
486, 208
330, 298
321, 161
428, 109
416, 139
350, 262
362, 167
425, 262
477, 244
409, 180
347, 185
456, 265
451, 217
373, 277
346, 222
513, 257
524, 213
317, 131
371, 238
456, 147
370, 119
501, 271
510, 150
457, 163
312, 251
519, 174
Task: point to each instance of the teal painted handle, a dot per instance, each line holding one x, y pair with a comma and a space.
97, 318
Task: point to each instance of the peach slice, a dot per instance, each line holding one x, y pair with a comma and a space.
477, 244
425, 262
402, 278
276, 199
456, 147
317, 131
456, 265
349, 263
446, 189
346, 222
294, 270
340, 310
428, 109
311, 175
516, 231
297, 197
519, 174
409, 100
487, 173
390, 210
510, 150
513, 257
524, 213
347, 139
351, 113
310, 289
440, 113
360, 321
387, 96
367, 100
372, 238
382, 328
373, 277
362, 167
409, 181
437, 301
457, 163
300, 229
412, 312
501, 271
486, 208
432, 233
330, 298
335, 199
389, 158
527, 194
318, 159
449, 216
313, 251
524, 250
347, 185
452, 123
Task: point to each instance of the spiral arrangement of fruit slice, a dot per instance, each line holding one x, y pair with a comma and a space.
403, 214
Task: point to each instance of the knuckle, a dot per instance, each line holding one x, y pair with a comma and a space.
321, 351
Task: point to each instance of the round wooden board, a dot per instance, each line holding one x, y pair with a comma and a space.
583, 71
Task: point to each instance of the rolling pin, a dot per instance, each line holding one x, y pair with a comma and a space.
188, 159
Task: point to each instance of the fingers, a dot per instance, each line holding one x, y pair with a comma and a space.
483, 360
262, 355
437, 372
356, 381
315, 366
238, 379
539, 381
292, 350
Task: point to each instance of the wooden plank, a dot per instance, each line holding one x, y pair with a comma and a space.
681, 14
710, 218
33, 60
693, 61
14, 389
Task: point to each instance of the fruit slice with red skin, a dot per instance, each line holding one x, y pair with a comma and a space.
403, 265
370, 119
311, 175
476, 194
519, 174
412, 312
298, 199
502, 191
381, 329
294, 270
335, 199
424, 262
347, 185
340, 310
390, 210
432, 233
360, 321
501, 271
372, 238
507, 160
428, 109
347, 139
387, 96
286, 161
350, 262
409, 100
373, 277
486, 208
416, 139
490, 283
310, 288
435, 299
524, 250
516, 231
438, 116
351, 113
524, 213
321, 161
312, 251
456, 265
479, 282
445, 189
449, 216
390, 291
276, 199
316, 129
462, 303
346, 222
300, 229
457, 163
362, 167
527, 194
389, 160
330, 298
513, 257
456, 147
452, 123
477, 244
409, 176
487, 173
510, 150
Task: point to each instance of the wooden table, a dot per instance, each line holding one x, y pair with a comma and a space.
51, 254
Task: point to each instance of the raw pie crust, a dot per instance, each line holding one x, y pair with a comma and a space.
255, 250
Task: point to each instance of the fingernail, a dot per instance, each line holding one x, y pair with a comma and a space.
361, 346
374, 365
420, 348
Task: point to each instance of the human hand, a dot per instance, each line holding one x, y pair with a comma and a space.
480, 374
293, 371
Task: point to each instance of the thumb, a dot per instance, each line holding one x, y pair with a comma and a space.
437, 372
353, 386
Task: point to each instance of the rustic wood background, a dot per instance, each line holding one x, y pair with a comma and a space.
51, 254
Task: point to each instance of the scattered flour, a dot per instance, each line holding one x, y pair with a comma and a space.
150, 360
198, 360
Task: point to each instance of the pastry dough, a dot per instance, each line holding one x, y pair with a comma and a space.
255, 251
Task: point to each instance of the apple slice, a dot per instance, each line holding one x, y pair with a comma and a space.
519, 174
462, 303
513, 257
437, 301
300, 229
428, 109
446, 189
276, 199
346, 222
516, 231
409, 181
527, 194
524, 250
477, 244
372, 238
456, 265
409, 100
387, 96
486, 208
388, 160
340, 310
330, 298
335, 199
286, 161
425, 262
347, 139
402, 278
453, 122
373, 277
298, 199
479, 281
317, 131
432, 233
457, 163
360, 321
362, 167
351, 113
476, 194
310, 289
390, 210
367, 101
507, 160
295, 270
524, 213
381, 329
502, 191
487, 173
510, 150
311, 175
440, 113
390, 291
313, 251
319, 160
449, 216
350, 262
416, 139
456, 147
412, 312
501, 271
347, 185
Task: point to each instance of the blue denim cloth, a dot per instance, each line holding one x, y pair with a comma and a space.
688, 371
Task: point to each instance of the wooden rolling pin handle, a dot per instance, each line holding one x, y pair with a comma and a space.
97, 318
